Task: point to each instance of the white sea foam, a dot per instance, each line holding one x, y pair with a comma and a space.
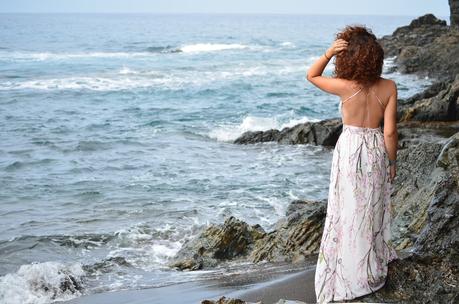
47, 56
211, 47
253, 123
288, 44
128, 78
40, 283
44, 56
142, 248
127, 71
87, 83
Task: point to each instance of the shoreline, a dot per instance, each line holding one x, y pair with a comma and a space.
268, 285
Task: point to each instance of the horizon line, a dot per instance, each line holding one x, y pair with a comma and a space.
216, 13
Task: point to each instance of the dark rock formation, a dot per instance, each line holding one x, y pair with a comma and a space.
325, 132
411, 192
234, 239
426, 47
296, 236
420, 32
444, 106
224, 300
454, 13
418, 279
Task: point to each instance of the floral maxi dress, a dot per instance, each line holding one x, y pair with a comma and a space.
355, 246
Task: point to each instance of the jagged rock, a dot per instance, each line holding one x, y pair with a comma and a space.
418, 279
251, 137
411, 192
296, 236
426, 47
430, 91
454, 13
420, 32
224, 300
325, 132
231, 240
427, 173
441, 234
444, 106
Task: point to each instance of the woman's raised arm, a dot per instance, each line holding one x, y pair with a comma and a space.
328, 84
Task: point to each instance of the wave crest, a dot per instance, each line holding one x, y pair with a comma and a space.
229, 133
211, 47
41, 283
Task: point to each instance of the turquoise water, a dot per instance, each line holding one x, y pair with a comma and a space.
116, 136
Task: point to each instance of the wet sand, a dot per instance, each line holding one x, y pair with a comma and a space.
298, 286
269, 288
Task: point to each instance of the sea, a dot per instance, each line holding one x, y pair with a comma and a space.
117, 130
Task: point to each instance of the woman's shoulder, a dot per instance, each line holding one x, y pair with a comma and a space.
387, 83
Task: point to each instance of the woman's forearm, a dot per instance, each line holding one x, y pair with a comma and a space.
319, 65
391, 143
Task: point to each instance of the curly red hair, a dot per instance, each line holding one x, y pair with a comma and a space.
363, 59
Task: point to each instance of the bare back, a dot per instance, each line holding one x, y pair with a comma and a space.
364, 106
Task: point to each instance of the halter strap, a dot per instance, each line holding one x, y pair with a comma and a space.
379, 100
352, 95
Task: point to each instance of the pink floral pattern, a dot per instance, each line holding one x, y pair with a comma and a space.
356, 242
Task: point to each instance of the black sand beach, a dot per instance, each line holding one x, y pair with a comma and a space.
269, 287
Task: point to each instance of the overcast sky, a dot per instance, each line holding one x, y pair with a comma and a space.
439, 8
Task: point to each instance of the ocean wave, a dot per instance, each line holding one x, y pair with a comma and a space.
140, 244
87, 83
149, 51
287, 44
128, 78
163, 49
45, 56
211, 47
41, 283
229, 133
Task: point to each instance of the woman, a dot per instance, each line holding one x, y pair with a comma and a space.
355, 246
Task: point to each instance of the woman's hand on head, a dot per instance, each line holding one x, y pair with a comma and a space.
338, 46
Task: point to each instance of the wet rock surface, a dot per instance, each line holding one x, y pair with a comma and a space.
325, 133
426, 47
233, 239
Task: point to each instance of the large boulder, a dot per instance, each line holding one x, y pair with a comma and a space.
441, 234
411, 192
296, 236
233, 239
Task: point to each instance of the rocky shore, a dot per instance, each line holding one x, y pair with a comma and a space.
425, 195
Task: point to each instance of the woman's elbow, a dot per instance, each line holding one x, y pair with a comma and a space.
390, 133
